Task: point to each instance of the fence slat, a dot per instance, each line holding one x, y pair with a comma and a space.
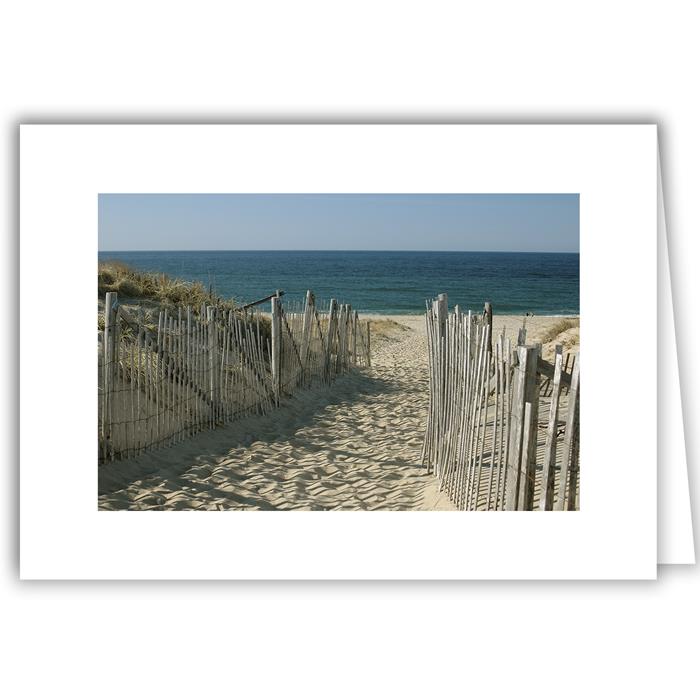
569, 437
550, 453
494, 430
369, 354
108, 347
276, 348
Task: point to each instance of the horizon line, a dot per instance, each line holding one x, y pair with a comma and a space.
332, 250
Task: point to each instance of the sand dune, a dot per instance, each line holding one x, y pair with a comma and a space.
352, 446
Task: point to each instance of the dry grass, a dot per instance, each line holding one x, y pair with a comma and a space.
386, 329
151, 292
559, 327
131, 284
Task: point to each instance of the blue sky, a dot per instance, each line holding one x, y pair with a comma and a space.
495, 222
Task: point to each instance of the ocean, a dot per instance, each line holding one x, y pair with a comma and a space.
380, 282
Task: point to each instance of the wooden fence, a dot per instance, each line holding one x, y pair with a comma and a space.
309, 346
200, 369
503, 424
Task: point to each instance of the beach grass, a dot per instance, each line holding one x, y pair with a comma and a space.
129, 284
385, 328
552, 332
155, 291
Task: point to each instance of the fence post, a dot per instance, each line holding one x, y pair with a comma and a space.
354, 338
306, 332
347, 328
528, 461
330, 339
114, 376
211, 326
569, 440
524, 380
572, 502
488, 317
525, 456
340, 354
118, 426
276, 348
101, 394
346, 336
550, 445
441, 308
522, 335
369, 356
108, 369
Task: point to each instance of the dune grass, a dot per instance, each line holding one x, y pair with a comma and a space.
131, 284
385, 329
564, 324
152, 292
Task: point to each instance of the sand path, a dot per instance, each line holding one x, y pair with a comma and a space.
354, 445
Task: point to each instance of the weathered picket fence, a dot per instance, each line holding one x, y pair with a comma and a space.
309, 345
484, 438
207, 367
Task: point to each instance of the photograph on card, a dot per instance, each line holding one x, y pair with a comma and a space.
338, 352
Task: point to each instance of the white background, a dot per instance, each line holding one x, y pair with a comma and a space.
505, 61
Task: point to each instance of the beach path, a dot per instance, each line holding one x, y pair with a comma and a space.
354, 445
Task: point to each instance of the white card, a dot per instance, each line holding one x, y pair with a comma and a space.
612, 168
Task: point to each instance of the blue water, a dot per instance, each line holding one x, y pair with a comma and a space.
381, 282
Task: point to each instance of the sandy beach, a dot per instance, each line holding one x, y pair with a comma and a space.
355, 445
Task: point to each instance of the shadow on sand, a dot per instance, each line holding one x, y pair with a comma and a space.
210, 448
